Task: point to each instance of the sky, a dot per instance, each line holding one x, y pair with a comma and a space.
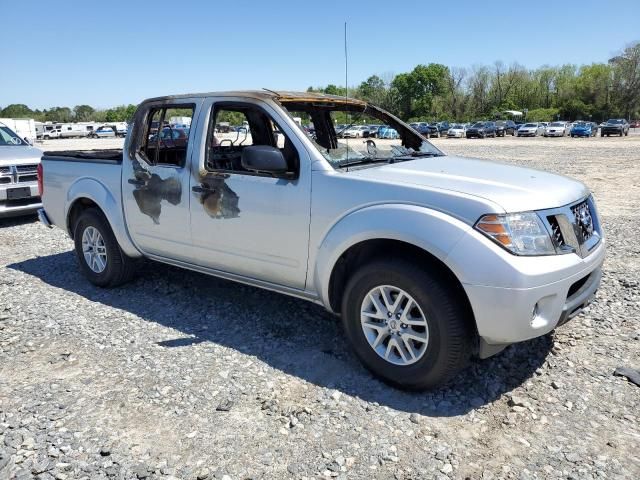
118, 52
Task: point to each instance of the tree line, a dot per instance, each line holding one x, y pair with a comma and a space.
79, 113
436, 92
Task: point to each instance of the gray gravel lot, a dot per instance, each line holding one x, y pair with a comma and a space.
180, 375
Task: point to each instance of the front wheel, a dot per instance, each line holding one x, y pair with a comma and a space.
406, 324
99, 255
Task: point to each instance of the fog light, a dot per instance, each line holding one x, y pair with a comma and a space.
534, 313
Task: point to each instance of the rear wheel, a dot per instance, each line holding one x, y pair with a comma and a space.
99, 255
406, 324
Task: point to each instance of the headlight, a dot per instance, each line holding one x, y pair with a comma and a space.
520, 233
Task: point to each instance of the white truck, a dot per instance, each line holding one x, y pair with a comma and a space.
429, 259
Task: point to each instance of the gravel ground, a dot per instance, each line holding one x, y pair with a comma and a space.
180, 375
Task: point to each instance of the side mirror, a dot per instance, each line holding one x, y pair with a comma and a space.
264, 159
26, 139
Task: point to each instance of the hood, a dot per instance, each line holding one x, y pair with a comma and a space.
19, 155
515, 189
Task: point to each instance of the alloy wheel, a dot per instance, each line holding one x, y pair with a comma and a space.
94, 249
394, 325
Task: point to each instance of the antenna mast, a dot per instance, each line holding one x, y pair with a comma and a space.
346, 88
346, 66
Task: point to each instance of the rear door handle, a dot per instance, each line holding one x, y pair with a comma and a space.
202, 189
136, 182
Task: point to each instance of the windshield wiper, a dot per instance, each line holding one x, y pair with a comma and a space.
365, 161
426, 154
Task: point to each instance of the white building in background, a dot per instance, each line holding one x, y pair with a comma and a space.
24, 127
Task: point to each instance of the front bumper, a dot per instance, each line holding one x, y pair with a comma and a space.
509, 315
517, 298
22, 206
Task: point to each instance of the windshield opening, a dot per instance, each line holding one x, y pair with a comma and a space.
9, 138
350, 132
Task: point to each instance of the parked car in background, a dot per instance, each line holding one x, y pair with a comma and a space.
385, 131
557, 129
457, 131
18, 177
530, 130
584, 129
505, 127
635, 124
51, 131
373, 130
615, 126
355, 131
103, 132
429, 259
443, 127
481, 130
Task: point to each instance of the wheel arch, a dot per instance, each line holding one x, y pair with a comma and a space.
398, 230
89, 193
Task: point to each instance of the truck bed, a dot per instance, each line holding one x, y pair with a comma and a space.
94, 174
113, 155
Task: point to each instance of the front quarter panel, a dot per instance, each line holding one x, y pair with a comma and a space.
433, 231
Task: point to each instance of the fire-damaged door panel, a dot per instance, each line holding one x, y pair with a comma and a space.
245, 221
156, 176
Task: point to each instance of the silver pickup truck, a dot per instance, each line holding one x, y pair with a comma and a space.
429, 259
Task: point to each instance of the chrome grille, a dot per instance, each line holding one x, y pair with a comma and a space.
27, 173
19, 174
574, 228
583, 221
556, 233
28, 178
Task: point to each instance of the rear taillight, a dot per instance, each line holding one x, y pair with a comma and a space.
40, 179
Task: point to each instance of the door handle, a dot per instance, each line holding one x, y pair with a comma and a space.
136, 182
202, 189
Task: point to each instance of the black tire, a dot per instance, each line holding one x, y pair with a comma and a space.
119, 267
450, 337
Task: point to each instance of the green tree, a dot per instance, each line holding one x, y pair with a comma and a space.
626, 80
417, 89
83, 113
373, 90
58, 114
16, 110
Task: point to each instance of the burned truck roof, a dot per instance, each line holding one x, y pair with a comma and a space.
265, 94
